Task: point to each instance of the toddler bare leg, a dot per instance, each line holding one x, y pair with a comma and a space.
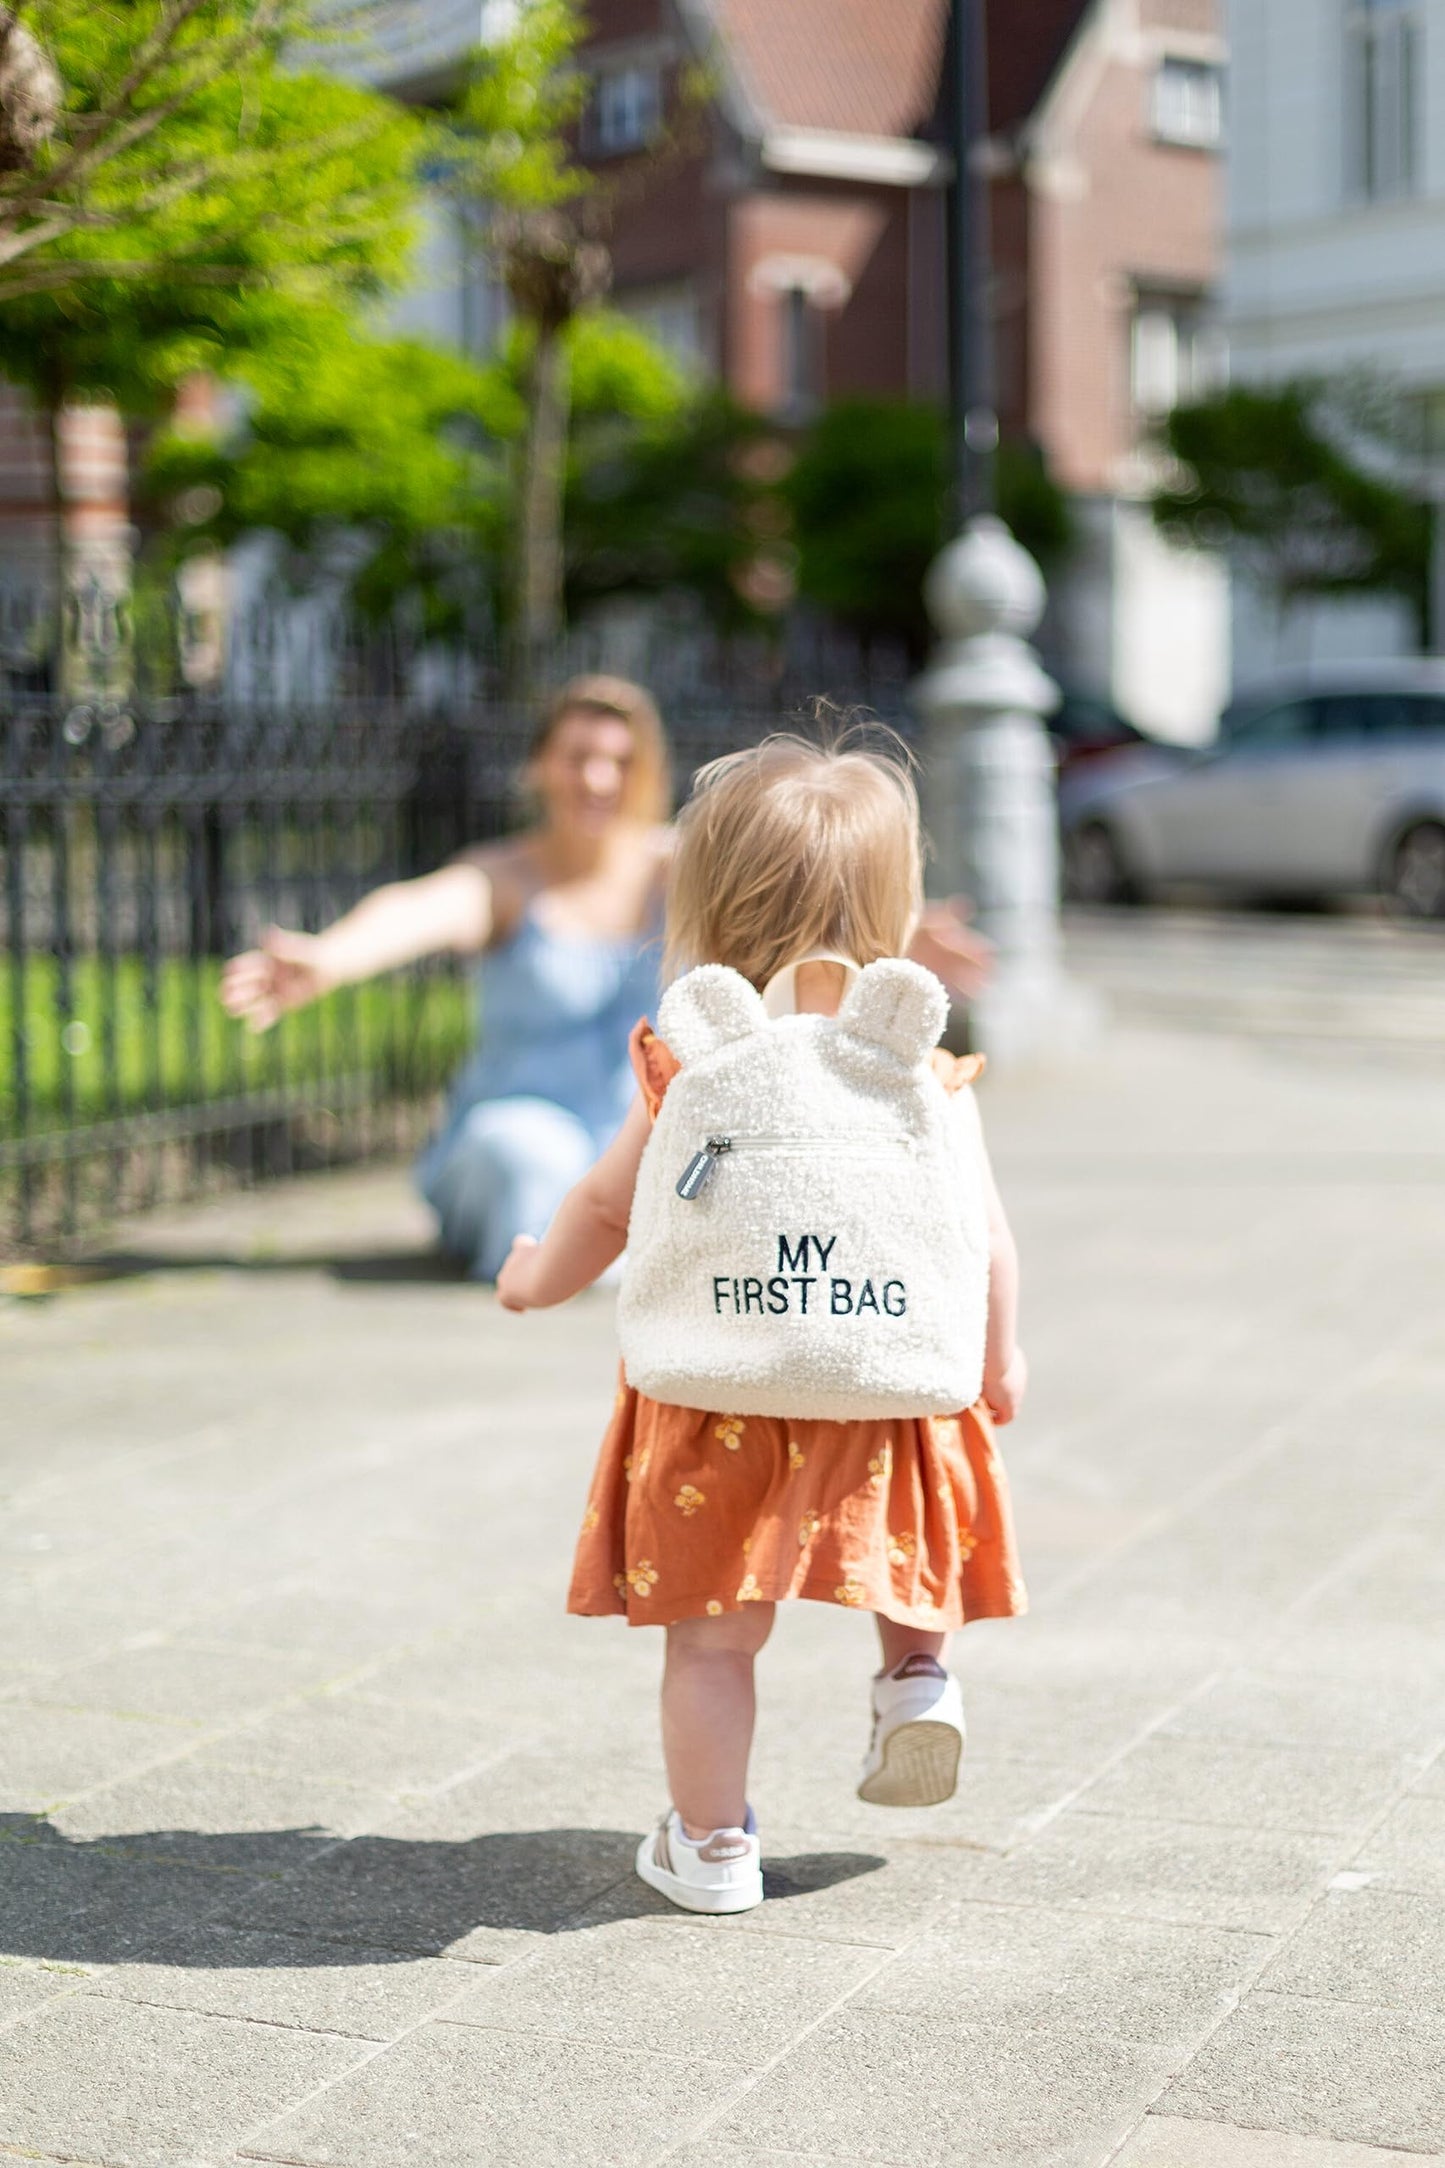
708, 1707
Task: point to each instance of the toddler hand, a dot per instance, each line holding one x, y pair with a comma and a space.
1003, 1396
514, 1279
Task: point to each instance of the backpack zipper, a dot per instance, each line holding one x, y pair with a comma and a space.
702, 1166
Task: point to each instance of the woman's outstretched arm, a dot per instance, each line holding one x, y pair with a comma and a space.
451, 910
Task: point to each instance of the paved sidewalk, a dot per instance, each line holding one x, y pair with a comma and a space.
318, 1812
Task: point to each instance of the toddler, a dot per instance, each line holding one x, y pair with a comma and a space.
797, 866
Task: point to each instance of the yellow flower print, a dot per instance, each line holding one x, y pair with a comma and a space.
642, 1578
967, 1544
902, 1547
808, 1527
880, 1467
619, 1582
730, 1430
747, 1545
714, 1609
621, 1400
688, 1500
850, 1593
926, 1600
627, 1466
589, 1520
750, 1592
797, 1458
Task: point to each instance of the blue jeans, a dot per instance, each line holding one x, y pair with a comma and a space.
501, 1172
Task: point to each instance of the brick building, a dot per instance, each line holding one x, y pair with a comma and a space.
780, 171
791, 242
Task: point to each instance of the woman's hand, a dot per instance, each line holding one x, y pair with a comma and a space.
516, 1278
1004, 1395
945, 944
285, 972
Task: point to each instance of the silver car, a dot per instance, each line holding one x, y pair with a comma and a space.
1320, 787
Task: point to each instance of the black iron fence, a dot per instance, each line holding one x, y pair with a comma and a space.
140, 845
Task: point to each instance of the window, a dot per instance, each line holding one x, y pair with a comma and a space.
625, 110
669, 314
1250, 730
1177, 352
1189, 103
1382, 64
1349, 718
802, 373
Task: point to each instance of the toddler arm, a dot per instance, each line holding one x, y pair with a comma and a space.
589, 1231
1005, 1373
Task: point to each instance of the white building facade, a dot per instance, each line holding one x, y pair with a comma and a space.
1336, 257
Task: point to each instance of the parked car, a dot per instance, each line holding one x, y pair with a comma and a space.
1082, 727
1321, 787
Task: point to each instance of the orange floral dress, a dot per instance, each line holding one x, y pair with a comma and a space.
692, 1514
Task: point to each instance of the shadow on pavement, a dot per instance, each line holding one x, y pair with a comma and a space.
422, 1268
182, 1897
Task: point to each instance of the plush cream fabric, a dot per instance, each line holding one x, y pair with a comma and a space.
835, 1261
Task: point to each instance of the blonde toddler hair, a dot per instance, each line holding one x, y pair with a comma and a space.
791, 846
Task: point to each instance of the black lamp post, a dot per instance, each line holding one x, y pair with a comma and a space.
971, 361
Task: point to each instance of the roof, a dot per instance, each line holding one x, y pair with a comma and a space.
857, 67
875, 67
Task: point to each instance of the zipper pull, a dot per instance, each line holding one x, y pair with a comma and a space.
698, 1171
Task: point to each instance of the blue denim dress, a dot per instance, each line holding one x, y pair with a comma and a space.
546, 1089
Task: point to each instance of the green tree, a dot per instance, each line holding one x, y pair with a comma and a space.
510, 163
1307, 482
869, 495
386, 464
238, 192
682, 501
114, 117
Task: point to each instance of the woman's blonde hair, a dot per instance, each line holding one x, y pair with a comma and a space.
648, 795
795, 845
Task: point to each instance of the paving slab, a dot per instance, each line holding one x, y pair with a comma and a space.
284, 1979
1030, 1968
456, 2096
872, 2086
1326, 2069
1164, 2141
1408, 1847
1375, 1945
733, 1998
1259, 1881
182, 1684
52, 1754
1256, 1785
485, 1898
91, 2079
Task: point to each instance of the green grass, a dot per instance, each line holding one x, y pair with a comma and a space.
122, 1039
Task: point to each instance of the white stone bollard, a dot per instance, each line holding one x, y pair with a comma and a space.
988, 788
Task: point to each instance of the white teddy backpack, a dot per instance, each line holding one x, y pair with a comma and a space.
809, 1232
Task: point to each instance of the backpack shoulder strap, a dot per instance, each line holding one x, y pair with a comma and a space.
707, 1008
897, 1005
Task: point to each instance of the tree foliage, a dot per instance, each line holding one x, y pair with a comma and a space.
1300, 481
191, 151
385, 464
869, 496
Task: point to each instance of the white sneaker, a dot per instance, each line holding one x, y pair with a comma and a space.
918, 1735
720, 1873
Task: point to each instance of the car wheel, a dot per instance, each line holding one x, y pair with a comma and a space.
1414, 879
1095, 870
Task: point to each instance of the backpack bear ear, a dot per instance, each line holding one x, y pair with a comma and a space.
705, 1009
898, 1005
